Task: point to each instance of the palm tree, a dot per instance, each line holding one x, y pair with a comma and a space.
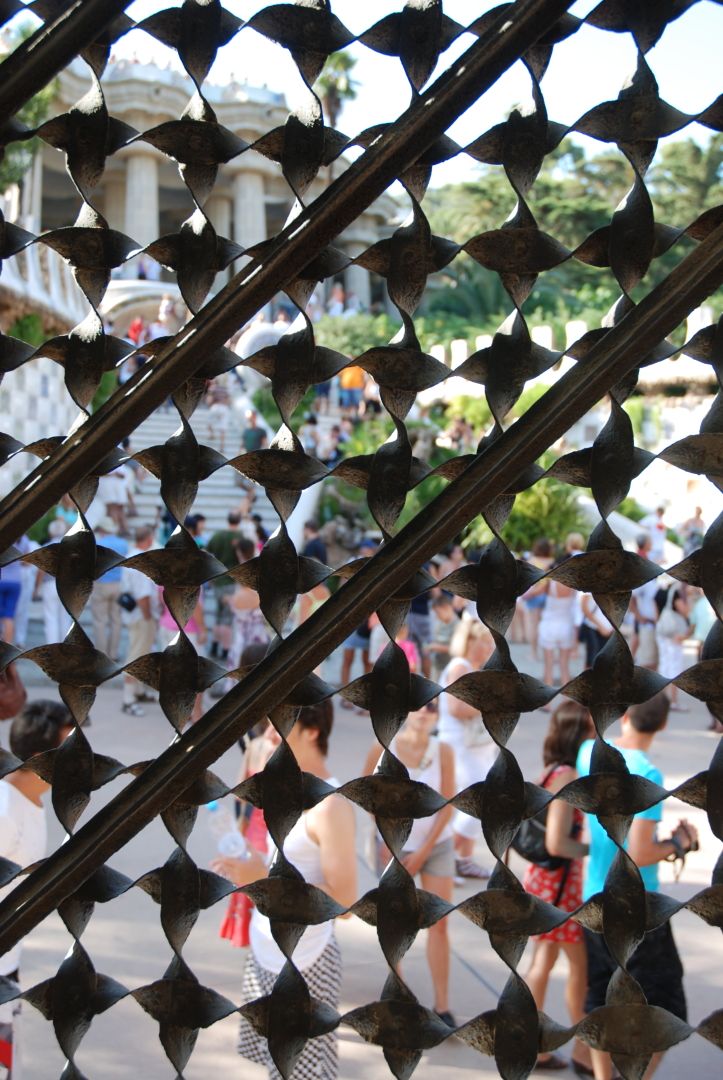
469, 291
335, 85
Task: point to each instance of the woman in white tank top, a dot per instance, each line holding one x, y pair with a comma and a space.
321, 846
460, 725
428, 851
561, 617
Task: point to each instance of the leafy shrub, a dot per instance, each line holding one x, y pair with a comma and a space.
354, 334
264, 403
29, 328
548, 509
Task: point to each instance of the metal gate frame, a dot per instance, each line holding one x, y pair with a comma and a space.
494, 471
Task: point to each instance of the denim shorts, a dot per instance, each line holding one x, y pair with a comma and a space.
350, 399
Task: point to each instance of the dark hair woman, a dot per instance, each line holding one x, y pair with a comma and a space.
570, 726
321, 846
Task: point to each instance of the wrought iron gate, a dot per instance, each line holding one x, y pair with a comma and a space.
76, 876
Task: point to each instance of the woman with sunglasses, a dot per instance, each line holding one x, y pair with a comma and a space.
429, 850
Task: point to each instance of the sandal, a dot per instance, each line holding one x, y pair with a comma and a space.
133, 709
468, 868
552, 1061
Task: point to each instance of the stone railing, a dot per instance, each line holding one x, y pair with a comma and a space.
680, 369
43, 279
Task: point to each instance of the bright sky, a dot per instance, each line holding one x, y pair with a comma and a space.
588, 68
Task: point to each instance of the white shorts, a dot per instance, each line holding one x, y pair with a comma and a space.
471, 765
671, 658
220, 415
556, 634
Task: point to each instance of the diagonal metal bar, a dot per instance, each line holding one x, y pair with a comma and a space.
269, 684
460, 86
51, 48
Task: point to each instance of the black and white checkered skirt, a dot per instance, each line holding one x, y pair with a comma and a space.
319, 1059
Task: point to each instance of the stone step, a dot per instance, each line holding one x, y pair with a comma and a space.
214, 500
218, 493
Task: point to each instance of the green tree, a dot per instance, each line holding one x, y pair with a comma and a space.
459, 211
336, 86
354, 334
18, 157
471, 292
687, 179
574, 195
548, 509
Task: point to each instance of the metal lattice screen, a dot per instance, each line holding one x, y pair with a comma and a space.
77, 876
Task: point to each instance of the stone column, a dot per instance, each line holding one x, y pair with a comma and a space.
141, 217
356, 278
249, 209
218, 209
114, 204
33, 193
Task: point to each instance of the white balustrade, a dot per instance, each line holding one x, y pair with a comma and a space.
458, 352
544, 336
57, 297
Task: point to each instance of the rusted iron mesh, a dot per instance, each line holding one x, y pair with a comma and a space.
520, 252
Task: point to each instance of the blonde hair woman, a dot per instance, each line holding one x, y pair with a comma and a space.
461, 727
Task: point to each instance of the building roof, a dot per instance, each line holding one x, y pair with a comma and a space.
123, 69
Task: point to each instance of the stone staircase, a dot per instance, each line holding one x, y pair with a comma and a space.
220, 492
217, 495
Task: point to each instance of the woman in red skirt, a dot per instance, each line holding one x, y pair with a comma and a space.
570, 725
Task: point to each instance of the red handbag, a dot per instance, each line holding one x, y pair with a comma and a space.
13, 694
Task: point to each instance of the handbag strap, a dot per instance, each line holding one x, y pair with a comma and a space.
563, 882
568, 862
548, 774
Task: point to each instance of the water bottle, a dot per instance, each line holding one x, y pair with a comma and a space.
222, 824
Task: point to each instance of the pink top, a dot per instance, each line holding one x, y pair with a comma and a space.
166, 620
411, 652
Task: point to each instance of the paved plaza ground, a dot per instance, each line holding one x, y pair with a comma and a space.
125, 939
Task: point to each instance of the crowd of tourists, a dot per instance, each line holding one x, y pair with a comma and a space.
443, 744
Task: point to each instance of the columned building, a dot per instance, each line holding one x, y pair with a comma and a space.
142, 194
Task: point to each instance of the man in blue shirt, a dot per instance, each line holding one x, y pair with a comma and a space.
314, 547
655, 963
104, 606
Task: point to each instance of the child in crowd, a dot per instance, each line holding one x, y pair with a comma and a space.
444, 622
409, 649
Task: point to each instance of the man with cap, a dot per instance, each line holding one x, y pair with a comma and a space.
104, 606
